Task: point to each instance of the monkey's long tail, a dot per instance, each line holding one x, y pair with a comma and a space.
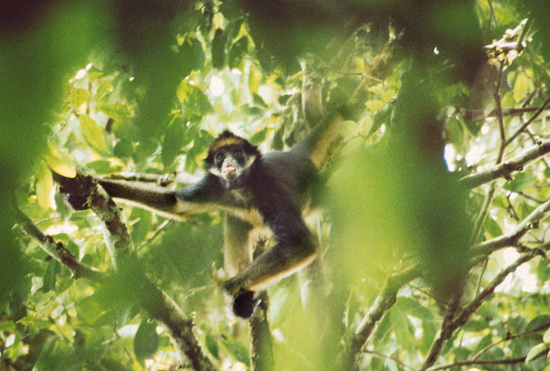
319, 143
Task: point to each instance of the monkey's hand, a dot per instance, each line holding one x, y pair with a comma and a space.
244, 301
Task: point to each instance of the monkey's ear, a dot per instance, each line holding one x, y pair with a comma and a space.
244, 303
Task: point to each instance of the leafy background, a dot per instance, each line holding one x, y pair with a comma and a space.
108, 87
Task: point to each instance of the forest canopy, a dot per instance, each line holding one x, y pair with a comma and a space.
436, 231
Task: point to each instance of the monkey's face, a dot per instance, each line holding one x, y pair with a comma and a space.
231, 164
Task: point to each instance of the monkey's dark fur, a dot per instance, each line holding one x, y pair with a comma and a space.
270, 194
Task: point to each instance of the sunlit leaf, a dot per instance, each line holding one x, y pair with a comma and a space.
536, 351
44, 185
60, 163
522, 86
79, 96
94, 134
118, 112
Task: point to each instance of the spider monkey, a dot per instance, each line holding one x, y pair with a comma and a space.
269, 194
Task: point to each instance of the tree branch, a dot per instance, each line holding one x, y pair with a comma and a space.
479, 114
512, 238
384, 301
509, 361
524, 126
505, 169
153, 300
57, 250
449, 327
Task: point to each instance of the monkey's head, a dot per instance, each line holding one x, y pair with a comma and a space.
230, 157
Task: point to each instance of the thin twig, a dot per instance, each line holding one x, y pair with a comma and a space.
529, 122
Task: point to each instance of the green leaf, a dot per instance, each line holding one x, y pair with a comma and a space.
239, 351
535, 351
118, 112
522, 86
414, 308
123, 149
537, 322
492, 228
147, 340
218, 49
94, 134
519, 182
212, 346
144, 223
50, 276
172, 142
78, 97
237, 52
44, 185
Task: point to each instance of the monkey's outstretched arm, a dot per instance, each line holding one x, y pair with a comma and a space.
199, 197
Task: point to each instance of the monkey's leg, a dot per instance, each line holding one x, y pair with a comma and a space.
279, 262
237, 246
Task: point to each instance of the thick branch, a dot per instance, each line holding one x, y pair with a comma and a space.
512, 238
384, 301
505, 169
98, 200
155, 302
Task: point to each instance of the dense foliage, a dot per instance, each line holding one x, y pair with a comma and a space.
436, 237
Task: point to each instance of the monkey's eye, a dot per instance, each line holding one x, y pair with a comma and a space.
239, 155
219, 157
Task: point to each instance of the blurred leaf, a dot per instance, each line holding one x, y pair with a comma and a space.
522, 86
44, 185
78, 96
535, 351
94, 134
118, 112
142, 226
414, 308
50, 275
60, 163
123, 149
146, 341
239, 351
538, 321
172, 142
519, 182
212, 346
218, 49
237, 52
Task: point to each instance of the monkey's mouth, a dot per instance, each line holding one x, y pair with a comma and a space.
230, 171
